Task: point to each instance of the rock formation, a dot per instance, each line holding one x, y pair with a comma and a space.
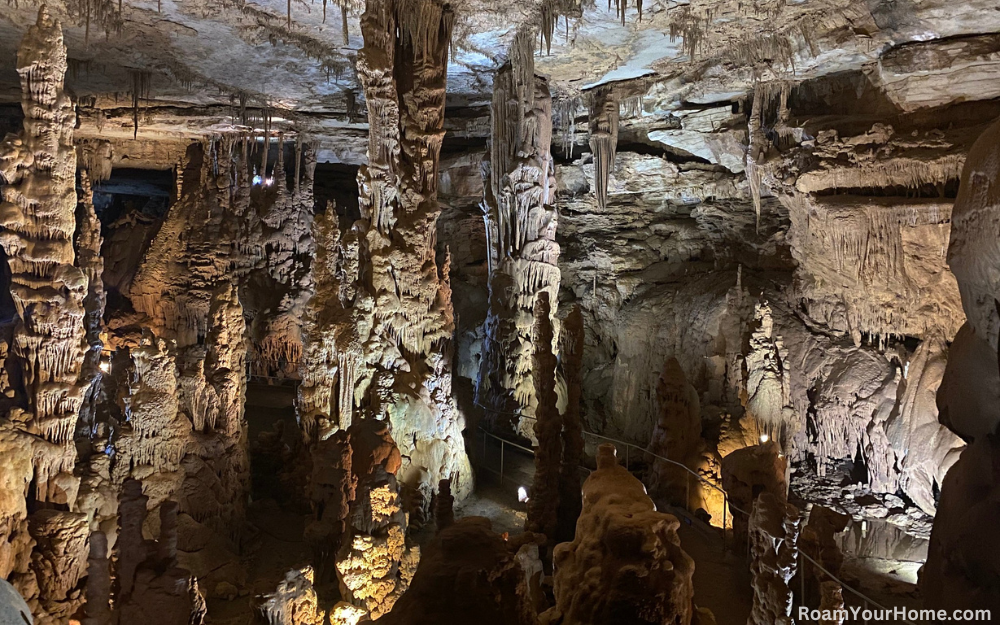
641, 573
392, 354
774, 533
375, 564
746, 474
521, 222
332, 489
767, 391
570, 499
962, 565
781, 202
543, 507
46, 352
818, 541
152, 587
294, 602
677, 434
468, 573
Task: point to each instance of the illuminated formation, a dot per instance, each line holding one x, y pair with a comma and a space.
44, 554
521, 222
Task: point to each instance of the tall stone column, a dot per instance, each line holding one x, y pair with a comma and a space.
394, 345
42, 553
521, 220
38, 216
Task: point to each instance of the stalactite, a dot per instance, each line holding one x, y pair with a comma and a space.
547, 26
631, 106
686, 26
343, 25
603, 138
565, 111
139, 89
755, 151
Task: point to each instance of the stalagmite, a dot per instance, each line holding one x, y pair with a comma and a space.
375, 564
38, 215
332, 488
329, 342
677, 436
521, 221
774, 532
767, 389
58, 562
570, 499
749, 472
543, 507
444, 510
39, 219
443, 590
295, 601
98, 592
625, 564
89, 260
153, 588
818, 541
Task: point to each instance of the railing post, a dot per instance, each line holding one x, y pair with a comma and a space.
802, 576
725, 506
501, 460
687, 502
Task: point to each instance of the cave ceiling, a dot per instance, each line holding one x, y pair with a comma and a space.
195, 64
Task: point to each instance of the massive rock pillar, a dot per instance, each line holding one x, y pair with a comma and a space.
394, 351
38, 216
774, 535
963, 561
43, 364
521, 219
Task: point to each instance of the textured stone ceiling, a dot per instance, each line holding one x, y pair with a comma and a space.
201, 55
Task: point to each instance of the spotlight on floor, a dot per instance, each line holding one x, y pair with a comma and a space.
522, 494
764, 438
105, 366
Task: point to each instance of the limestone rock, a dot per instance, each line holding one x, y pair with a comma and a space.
468, 573
643, 575
774, 532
